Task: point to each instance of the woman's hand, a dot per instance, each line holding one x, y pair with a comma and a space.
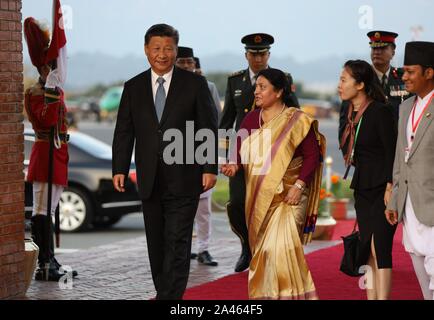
388, 194
391, 216
229, 169
294, 194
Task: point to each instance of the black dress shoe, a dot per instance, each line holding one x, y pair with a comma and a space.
193, 256
205, 258
74, 273
243, 262
53, 274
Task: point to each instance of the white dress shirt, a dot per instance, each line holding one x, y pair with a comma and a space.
167, 77
252, 77
380, 74
420, 104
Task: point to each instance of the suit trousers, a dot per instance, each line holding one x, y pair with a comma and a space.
236, 212
169, 224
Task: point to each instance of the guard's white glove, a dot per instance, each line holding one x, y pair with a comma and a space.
53, 79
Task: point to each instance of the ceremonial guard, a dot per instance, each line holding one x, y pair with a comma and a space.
46, 110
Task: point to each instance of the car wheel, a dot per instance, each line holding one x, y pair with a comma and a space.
76, 210
105, 222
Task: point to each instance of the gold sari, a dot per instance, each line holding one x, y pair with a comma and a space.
277, 230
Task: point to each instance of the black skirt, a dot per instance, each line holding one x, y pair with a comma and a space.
369, 205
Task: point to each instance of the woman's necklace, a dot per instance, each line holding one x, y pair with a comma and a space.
277, 115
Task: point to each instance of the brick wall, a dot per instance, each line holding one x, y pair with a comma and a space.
11, 151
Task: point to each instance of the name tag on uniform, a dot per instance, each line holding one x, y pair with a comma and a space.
406, 154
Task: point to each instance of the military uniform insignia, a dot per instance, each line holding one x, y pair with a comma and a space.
236, 73
377, 35
397, 73
238, 93
399, 91
258, 39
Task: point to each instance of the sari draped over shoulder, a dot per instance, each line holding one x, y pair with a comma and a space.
277, 230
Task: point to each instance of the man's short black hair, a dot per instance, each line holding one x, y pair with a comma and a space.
161, 30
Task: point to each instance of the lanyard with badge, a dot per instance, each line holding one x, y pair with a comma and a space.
415, 125
354, 146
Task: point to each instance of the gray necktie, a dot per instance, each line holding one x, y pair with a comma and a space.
160, 98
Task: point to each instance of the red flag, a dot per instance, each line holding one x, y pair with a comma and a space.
58, 39
57, 49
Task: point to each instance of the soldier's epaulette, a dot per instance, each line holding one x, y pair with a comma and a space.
236, 73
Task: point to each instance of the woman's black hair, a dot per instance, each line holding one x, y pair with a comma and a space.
363, 72
279, 80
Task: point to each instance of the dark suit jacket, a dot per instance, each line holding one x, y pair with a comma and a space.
374, 151
188, 99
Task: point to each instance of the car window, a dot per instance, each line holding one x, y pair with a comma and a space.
91, 145
28, 143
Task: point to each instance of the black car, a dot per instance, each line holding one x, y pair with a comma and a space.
90, 199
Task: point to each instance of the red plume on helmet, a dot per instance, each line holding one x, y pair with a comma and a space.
38, 39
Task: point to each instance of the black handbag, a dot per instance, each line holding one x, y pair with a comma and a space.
350, 262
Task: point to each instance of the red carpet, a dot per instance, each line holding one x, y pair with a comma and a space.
331, 284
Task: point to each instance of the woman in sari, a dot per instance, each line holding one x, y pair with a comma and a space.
280, 153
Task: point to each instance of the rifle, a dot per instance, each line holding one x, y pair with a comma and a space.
50, 191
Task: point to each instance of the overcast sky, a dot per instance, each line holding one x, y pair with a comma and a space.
304, 29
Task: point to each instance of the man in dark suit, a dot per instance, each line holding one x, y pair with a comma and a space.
239, 101
160, 102
389, 78
185, 60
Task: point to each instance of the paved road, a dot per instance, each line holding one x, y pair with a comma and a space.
328, 127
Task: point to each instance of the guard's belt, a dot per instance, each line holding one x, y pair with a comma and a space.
46, 135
